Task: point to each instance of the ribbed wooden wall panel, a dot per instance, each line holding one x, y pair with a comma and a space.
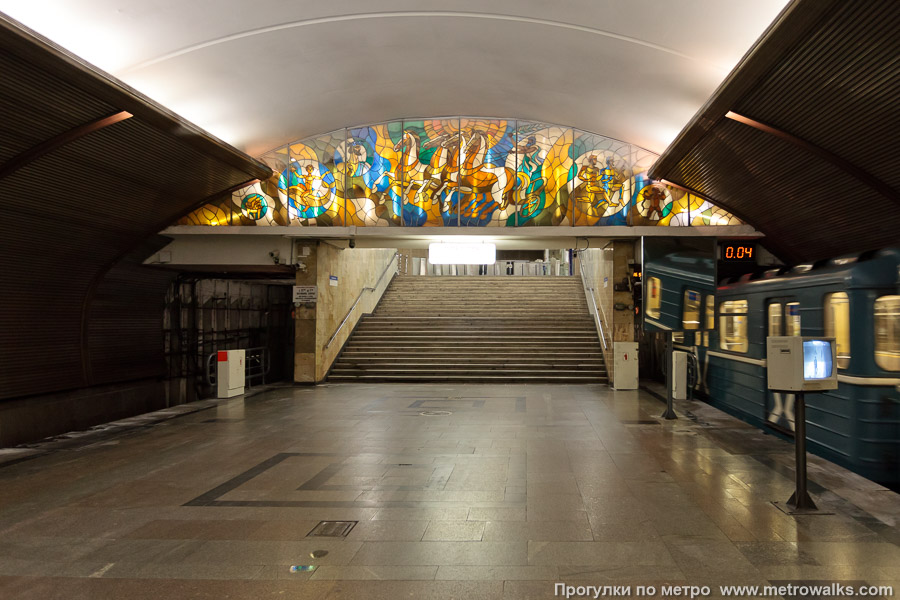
76, 307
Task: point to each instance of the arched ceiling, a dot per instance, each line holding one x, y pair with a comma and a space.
264, 73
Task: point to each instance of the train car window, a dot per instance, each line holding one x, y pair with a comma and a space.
837, 325
792, 322
654, 299
887, 333
690, 314
733, 325
775, 318
710, 312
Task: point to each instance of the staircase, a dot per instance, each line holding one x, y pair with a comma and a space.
476, 329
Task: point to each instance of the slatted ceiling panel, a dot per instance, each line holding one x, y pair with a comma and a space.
789, 193
141, 163
54, 106
830, 77
67, 215
71, 209
841, 99
828, 72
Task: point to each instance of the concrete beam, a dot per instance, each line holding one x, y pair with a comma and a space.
511, 238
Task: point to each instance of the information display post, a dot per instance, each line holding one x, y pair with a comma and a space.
796, 365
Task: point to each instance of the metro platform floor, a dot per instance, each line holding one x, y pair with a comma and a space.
522, 486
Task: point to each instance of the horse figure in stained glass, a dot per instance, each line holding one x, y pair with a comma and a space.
420, 207
439, 188
477, 181
404, 181
356, 160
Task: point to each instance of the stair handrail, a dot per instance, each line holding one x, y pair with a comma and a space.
585, 279
363, 291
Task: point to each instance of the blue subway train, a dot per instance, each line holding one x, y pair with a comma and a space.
677, 285
856, 300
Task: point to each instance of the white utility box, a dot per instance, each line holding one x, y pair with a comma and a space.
625, 363
801, 364
230, 373
679, 375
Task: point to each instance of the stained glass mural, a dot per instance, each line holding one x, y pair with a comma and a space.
311, 186
705, 213
460, 171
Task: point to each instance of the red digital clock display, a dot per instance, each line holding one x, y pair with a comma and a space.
738, 251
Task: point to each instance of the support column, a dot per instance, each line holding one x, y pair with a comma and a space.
623, 320
305, 321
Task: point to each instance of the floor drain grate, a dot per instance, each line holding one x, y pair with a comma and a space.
332, 529
435, 413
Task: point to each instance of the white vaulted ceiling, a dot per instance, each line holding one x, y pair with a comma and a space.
261, 74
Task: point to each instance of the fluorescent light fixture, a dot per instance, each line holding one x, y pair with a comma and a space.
455, 253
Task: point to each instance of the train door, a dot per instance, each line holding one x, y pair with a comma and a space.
706, 315
782, 318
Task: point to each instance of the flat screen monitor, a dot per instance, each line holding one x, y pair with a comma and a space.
817, 363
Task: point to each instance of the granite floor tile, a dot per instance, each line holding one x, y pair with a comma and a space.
550, 531
388, 531
420, 590
374, 573
613, 554
458, 513
478, 573
442, 553
699, 558
497, 514
454, 531
490, 502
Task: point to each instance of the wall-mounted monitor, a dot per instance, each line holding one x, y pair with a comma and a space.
801, 364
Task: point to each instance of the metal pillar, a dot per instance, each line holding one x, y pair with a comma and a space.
800, 499
669, 413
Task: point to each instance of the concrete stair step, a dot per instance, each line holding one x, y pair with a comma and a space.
472, 320
469, 371
450, 377
456, 355
474, 345
452, 337
444, 329
467, 368
540, 315
385, 330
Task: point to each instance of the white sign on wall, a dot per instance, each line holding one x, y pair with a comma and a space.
332, 280
305, 294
